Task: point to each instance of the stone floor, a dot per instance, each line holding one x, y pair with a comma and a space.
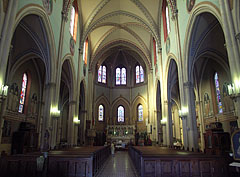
119, 165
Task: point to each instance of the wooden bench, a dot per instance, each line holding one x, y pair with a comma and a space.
73, 162
81, 161
164, 162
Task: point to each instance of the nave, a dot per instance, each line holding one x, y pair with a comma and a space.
118, 165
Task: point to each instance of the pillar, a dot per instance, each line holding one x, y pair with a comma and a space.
46, 131
191, 117
233, 52
72, 105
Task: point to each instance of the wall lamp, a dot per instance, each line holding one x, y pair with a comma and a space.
183, 112
55, 112
76, 120
3, 92
164, 121
234, 90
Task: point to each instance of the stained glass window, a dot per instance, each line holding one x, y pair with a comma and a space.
100, 74
219, 102
141, 74
167, 20
85, 51
124, 74
140, 113
120, 114
104, 74
121, 76
72, 20
137, 75
23, 93
100, 113
118, 78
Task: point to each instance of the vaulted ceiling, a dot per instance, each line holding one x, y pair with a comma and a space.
127, 25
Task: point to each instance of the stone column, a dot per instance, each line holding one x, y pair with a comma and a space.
71, 114
151, 116
6, 36
90, 102
167, 135
46, 131
233, 52
191, 117
202, 125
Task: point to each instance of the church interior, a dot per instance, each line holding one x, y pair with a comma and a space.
145, 77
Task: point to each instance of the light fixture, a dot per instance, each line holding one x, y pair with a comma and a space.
76, 120
183, 112
234, 89
3, 92
55, 112
164, 121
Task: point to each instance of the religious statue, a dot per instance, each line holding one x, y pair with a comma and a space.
227, 101
206, 104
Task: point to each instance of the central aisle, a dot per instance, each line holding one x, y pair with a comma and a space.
119, 165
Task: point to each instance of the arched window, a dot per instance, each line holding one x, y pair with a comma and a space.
166, 19
121, 76
23, 93
118, 76
85, 51
139, 74
74, 20
140, 113
120, 114
101, 113
219, 102
102, 74
124, 75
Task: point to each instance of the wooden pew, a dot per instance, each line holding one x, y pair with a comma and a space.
81, 161
164, 162
19, 166
73, 162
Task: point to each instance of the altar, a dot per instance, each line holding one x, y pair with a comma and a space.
124, 133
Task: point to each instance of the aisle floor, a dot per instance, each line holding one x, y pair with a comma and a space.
119, 165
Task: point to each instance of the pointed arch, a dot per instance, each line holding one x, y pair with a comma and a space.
39, 11
196, 11
69, 59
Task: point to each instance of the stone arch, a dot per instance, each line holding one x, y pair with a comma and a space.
118, 102
196, 11
139, 99
123, 42
102, 100
116, 13
69, 59
124, 27
39, 11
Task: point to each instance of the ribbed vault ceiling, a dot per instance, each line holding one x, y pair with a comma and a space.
133, 22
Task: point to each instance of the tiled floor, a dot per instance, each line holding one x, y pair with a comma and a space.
119, 165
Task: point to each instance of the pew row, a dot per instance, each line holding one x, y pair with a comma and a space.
73, 162
164, 162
